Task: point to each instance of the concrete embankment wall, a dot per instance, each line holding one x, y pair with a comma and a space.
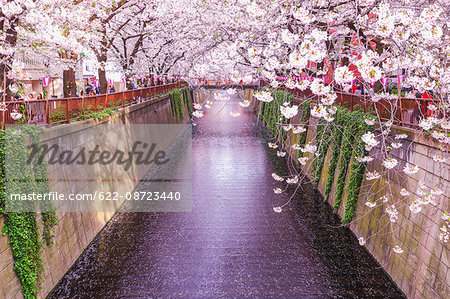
422, 270
77, 229
201, 95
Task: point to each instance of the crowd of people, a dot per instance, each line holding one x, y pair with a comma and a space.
90, 90
406, 92
33, 106
359, 89
415, 105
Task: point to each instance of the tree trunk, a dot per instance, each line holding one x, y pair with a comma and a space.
102, 58
3, 67
11, 40
70, 86
129, 82
103, 82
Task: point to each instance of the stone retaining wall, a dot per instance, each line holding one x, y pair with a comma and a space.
77, 229
422, 270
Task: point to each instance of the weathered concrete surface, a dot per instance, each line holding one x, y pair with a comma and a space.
201, 95
422, 271
76, 230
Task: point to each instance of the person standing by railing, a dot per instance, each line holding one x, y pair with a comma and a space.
15, 98
359, 90
418, 110
29, 106
426, 103
417, 94
39, 115
88, 89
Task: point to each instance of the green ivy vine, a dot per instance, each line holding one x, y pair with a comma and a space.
22, 228
347, 132
322, 141
336, 139
176, 103
358, 168
187, 100
346, 154
270, 113
345, 135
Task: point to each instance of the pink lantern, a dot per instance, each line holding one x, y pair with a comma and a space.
124, 81
45, 81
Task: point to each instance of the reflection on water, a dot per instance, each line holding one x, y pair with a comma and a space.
232, 244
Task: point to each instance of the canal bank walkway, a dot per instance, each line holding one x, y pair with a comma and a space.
232, 244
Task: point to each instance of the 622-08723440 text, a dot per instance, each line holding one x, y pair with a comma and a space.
56, 196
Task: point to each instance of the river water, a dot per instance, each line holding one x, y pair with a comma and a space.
232, 244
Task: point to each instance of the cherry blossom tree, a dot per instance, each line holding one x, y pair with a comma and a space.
27, 29
325, 46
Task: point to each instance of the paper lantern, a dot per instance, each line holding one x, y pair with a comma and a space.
45, 81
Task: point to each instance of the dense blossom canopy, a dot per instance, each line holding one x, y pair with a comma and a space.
370, 39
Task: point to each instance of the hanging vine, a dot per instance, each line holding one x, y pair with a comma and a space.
345, 135
346, 153
176, 103
48, 215
21, 226
358, 168
337, 139
270, 113
322, 140
187, 100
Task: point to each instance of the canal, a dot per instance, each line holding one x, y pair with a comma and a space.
232, 244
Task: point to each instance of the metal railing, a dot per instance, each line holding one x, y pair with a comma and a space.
224, 82
404, 111
214, 82
55, 111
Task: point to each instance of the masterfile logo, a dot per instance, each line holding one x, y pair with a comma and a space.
141, 153
98, 167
